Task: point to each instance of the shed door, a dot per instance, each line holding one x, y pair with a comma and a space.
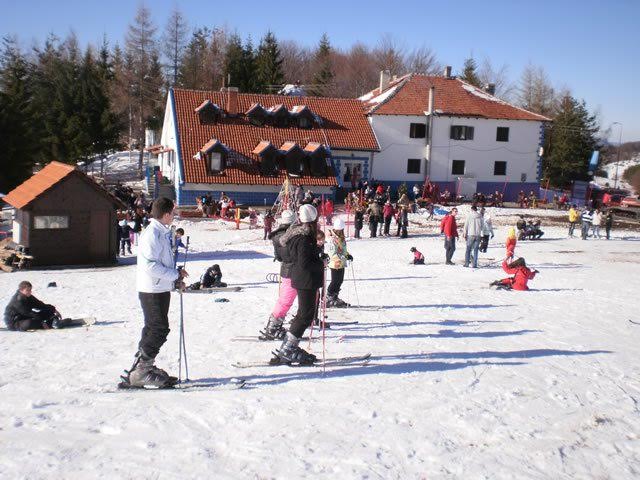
99, 235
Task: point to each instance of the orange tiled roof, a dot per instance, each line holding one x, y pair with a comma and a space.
45, 179
409, 95
344, 126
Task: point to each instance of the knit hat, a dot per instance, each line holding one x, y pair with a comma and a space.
338, 224
307, 213
287, 217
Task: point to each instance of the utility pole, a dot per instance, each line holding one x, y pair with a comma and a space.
618, 156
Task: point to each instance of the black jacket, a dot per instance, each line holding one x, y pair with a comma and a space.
308, 268
280, 252
21, 307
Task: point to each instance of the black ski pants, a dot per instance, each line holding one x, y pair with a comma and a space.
450, 247
306, 311
35, 321
387, 224
373, 228
125, 242
337, 277
484, 243
155, 308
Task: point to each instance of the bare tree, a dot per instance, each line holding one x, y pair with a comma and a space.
535, 92
389, 55
423, 60
173, 42
497, 76
142, 50
296, 61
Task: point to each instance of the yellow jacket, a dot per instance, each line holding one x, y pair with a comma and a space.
573, 215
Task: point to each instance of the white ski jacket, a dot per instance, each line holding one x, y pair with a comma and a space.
156, 272
473, 225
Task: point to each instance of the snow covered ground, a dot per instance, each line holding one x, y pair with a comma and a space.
465, 382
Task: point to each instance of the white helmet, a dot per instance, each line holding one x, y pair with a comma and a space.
307, 213
287, 217
338, 224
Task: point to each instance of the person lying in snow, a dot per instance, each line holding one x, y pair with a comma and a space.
210, 279
25, 312
418, 258
521, 275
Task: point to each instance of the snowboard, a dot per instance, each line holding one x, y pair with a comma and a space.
67, 323
215, 289
330, 362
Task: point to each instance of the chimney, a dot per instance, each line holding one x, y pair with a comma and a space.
491, 88
232, 101
431, 92
385, 76
447, 71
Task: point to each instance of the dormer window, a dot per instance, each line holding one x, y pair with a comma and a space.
257, 115
279, 115
269, 157
209, 112
214, 154
294, 158
303, 116
317, 159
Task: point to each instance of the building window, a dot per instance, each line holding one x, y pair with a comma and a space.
417, 130
461, 132
500, 168
304, 122
502, 134
457, 167
413, 165
216, 162
43, 222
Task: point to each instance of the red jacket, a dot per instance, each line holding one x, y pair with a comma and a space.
511, 246
387, 210
521, 276
328, 208
417, 255
448, 226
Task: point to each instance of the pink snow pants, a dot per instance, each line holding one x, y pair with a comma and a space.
285, 299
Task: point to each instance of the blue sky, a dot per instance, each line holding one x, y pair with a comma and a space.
588, 46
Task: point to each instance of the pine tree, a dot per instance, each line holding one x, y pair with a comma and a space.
268, 65
192, 72
469, 72
570, 141
248, 68
323, 79
233, 68
19, 140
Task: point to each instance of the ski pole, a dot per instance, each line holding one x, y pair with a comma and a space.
182, 342
324, 315
355, 288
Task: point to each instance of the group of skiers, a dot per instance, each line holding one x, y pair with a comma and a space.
477, 231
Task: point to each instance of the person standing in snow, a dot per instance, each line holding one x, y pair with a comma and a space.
574, 216
449, 227
338, 258
387, 215
596, 221
511, 243
307, 274
374, 213
608, 223
156, 276
274, 330
487, 230
358, 220
586, 217
125, 228
471, 233
267, 224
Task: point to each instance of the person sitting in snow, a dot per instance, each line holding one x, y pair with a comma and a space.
212, 278
25, 312
418, 258
521, 275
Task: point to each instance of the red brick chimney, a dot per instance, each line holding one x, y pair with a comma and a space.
232, 101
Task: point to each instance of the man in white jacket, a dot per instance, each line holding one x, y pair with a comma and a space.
472, 232
156, 276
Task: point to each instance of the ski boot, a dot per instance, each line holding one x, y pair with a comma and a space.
273, 330
290, 353
144, 373
334, 302
318, 323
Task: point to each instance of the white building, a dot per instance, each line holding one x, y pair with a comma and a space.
458, 136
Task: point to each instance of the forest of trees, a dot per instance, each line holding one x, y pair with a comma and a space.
58, 101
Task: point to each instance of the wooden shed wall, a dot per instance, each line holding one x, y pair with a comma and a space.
91, 237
